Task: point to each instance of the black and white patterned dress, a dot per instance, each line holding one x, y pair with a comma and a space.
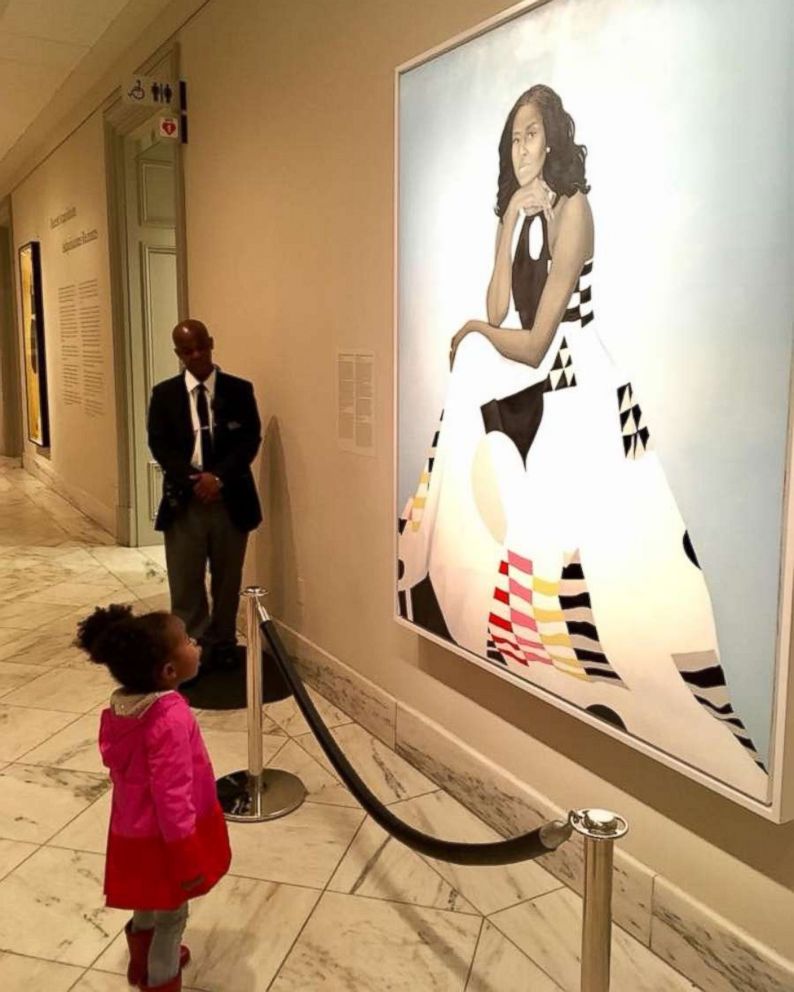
544, 538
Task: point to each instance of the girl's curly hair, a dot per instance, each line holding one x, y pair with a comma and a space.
134, 649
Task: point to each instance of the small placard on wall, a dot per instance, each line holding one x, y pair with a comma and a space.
355, 401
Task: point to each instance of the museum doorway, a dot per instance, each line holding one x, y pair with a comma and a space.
150, 295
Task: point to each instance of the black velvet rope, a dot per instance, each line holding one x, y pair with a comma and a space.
525, 847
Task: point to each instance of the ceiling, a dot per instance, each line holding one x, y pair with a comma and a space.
41, 43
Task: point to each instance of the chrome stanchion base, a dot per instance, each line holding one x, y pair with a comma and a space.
244, 798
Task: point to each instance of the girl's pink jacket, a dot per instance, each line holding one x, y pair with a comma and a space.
166, 826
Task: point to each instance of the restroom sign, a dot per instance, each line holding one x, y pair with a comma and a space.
168, 127
148, 91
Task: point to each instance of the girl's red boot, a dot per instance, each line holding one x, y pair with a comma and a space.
138, 944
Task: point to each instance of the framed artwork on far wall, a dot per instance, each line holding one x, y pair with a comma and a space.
33, 344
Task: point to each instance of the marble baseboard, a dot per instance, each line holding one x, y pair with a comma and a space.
365, 702
710, 951
715, 954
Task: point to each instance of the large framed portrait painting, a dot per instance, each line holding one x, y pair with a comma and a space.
33, 344
594, 330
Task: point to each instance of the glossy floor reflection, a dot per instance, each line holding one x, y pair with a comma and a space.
320, 900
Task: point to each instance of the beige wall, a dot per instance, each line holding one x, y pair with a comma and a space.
289, 192
289, 205
82, 461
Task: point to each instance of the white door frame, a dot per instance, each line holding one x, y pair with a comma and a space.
120, 120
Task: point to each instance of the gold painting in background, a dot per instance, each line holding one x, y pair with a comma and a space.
33, 344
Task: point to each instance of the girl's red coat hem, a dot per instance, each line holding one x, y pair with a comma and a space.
147, 872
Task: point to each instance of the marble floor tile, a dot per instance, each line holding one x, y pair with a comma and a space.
229, 750
33, 647
22, 729
13, 853
290, 719
152, 587
89, 830
379, 867
21, 582
19, 974
321, 785
499, 966
303, 848
388, 775
488, 889
156, 552
75, 658
85, 594
150, 604
65, 626
59, 908
548, 930
11, 635
102, 981
65, 689
30, 616
36, 802
75, 747
129, 565
14, 676
39, 529
352, 943
248, 922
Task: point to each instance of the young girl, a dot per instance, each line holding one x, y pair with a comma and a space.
167, 840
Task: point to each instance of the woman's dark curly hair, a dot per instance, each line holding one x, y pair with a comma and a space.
564, 169
135, 649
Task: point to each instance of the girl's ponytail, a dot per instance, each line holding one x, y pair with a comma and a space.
134, 648
94, 634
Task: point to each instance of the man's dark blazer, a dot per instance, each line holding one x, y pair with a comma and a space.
237, 434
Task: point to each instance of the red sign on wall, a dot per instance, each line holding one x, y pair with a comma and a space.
169, 127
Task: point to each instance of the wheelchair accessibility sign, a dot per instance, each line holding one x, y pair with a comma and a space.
148, 91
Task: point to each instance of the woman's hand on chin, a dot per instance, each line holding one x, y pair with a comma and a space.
534, 198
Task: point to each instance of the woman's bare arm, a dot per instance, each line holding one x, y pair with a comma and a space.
499, 288
527, 201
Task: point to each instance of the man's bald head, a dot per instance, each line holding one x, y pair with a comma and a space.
193, 346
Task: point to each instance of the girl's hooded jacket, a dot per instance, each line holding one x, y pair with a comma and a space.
166, 825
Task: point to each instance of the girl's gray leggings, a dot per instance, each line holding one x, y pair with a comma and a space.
168, 926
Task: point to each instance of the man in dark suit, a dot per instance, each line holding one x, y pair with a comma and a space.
204, 431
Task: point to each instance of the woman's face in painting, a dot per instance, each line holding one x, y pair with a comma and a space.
529, 144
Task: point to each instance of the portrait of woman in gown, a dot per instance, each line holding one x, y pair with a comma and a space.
543, 536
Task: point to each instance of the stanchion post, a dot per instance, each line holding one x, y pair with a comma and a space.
257, 793
253, 686
600, 829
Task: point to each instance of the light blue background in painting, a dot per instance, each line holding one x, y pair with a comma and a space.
686, 109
